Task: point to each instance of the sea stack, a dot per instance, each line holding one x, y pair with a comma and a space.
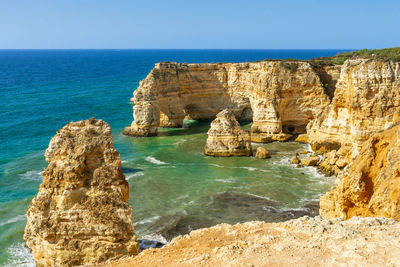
226, 138
81, 213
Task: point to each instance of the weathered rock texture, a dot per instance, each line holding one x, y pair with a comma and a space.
81, 213
370, 185
366, 100
280, 97
226, 138
262, 153
301, 242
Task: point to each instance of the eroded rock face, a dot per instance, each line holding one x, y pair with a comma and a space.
226, 138
279, 97
366, 100
81, 213
370, 185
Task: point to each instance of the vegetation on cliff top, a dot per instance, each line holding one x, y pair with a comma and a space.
386, 54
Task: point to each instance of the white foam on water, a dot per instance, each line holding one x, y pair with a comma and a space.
124, 161
131, 175
180, 142
13, 220
313, 172
217, 165
155, 161
254, 195
249, 168
226, 181
285, 161
32, 175
155, 237
148, 220
19, 255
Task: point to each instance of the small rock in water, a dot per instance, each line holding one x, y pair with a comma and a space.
310, 161
295, 159
262, 153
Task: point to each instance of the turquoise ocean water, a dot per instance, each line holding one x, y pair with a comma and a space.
174, 188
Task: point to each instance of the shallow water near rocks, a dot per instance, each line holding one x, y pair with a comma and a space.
174, 188
190, 190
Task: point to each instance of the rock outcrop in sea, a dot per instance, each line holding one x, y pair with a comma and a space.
262, 153
338, 106
81, 213
370, 185
226, 138
280, 97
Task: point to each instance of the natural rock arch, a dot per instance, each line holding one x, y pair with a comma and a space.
276, 98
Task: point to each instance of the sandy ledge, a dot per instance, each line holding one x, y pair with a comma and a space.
305, 241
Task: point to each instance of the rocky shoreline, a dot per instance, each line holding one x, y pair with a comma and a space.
348, 114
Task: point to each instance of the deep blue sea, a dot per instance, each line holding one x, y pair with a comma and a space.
173, 184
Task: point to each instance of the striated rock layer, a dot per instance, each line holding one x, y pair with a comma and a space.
280, 97
366, 100
226, 138
301, 242
370, 185
81, 213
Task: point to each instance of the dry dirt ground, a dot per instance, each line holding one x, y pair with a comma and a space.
301, 242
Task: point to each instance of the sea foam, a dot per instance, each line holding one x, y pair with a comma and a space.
131, 175
14, 219
32, 175
19, 255
155, 161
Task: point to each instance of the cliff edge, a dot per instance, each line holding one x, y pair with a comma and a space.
370, 185
301, 242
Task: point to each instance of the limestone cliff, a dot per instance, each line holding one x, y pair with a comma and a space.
226, 137
366, 100
278, 96
370, 185
301, 242
81, 213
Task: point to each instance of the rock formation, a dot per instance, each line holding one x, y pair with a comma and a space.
280, 97
366, 100
262, 153
310, 161
226, 138
301, 242
295, 158
370, 185
81, 213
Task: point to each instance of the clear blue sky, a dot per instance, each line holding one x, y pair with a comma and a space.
199, 24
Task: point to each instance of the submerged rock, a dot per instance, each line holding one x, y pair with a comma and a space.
370, 185
81, 213
262, 153
226, 138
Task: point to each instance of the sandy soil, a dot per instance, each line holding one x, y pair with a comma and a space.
301, 242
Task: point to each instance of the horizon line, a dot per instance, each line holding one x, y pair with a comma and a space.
185, 48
